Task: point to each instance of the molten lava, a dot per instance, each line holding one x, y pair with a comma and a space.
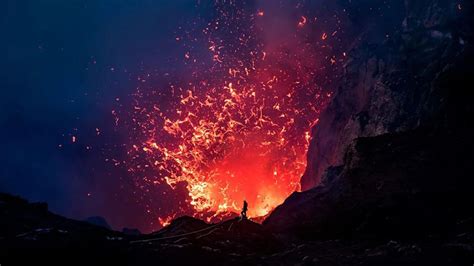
238, 127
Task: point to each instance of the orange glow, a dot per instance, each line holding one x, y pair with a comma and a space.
302, 21
237, 131
165, 221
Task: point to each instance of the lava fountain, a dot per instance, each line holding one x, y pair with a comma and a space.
238, 127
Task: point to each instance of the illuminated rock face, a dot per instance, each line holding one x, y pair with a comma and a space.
387, 140
387, 84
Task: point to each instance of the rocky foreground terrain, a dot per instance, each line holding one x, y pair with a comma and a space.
32, 234
389, 176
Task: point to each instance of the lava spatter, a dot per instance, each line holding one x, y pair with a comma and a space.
237, 126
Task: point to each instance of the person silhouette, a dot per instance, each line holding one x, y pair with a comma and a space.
243, 214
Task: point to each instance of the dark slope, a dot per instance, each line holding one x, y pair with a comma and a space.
393, 153
29, 232
411, 185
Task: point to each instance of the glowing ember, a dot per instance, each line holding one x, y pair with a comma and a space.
238, 127
165, 221
302, 21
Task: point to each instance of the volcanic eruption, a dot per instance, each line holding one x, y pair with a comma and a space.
236, 125
345, 126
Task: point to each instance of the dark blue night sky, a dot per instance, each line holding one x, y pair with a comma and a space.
64, 65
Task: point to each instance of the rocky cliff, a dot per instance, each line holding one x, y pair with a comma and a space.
392, 84
392, 155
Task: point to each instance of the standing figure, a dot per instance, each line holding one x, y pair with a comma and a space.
243, 214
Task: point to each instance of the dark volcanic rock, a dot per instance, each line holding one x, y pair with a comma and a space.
182, 225
402, 185
28, 231
29, 234
99, 221
234, 236
395, 84
131, 231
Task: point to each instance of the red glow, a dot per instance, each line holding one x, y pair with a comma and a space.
324, 36
302, 21
236, 130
